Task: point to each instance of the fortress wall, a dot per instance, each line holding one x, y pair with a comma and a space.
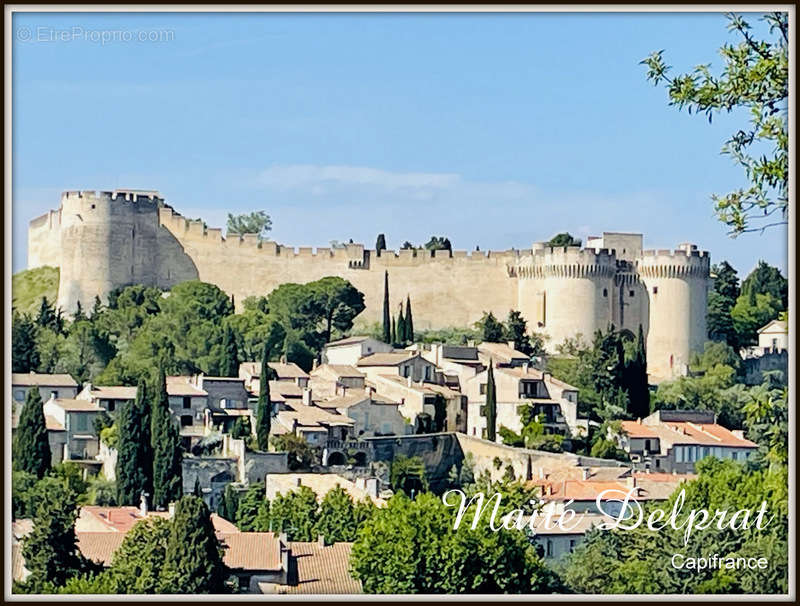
445, 291
630, 310
677, 283
44, 240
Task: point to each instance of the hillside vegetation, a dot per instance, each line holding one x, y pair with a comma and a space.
29, 286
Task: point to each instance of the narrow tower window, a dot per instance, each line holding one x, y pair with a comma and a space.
655, 290
605, 292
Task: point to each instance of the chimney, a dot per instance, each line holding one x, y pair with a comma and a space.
630, 481
314, 365
321, 540
409, 381
371, 487
283, 359
511, 344
585, 473
525, 367
307, 396
299, 481
143, 505
283, 538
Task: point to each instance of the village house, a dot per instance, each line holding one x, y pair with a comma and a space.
372, 415
502, 354
674, 440
281, 371
81, 442
321, 484
317, 425
554, 401
771, 353
56, 385
109, 398
188, 403
406, 364
331, 379
458, 363
349, 350
419, 398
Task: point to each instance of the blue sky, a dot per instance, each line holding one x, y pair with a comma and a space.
494, 130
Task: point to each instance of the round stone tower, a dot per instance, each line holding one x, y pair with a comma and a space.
677, 287
566, 291
108, 240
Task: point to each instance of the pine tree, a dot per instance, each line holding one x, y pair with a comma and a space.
193, 562
167, 472
387, 321
489, 411
409, 321
401, 327
133, 456
264, 410
31, 445
24, 355
230, 354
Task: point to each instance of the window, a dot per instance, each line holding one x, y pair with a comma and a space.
406, 371
655, 290
549, 550
81, 423
631, 293
427, 373
386, 427
605, 292
187, 402
679, 454
647, 445
19, 395
735, 455
112, 405
572, 544
186, 420
54, 393
483, 389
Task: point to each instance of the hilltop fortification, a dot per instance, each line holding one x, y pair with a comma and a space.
103, 240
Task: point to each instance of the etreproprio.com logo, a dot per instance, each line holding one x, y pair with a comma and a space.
97, 36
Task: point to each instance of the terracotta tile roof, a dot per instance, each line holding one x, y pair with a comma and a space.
388, 359
96, 519
501, 351
581, 490
636, 430
310, 416
582, 524
322, 570
337, 371
348, 341
100, 546
251, 550
283, 370
706, 435
287, 389
114, 392
182, 386
42, 380
76, 405
52, 424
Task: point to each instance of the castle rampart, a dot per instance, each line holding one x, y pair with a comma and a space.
103, 240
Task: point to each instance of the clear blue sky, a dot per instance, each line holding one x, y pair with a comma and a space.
494, 130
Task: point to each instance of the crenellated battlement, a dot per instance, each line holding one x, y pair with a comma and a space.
681, 263
117, 195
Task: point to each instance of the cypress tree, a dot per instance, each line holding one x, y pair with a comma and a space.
133, 457
638, 389
264, 410
393, 337
193, 562
230, 354
401, 326
167, 468
387, 328
31, 446
409, 321
489, 411
24, 355
198, 492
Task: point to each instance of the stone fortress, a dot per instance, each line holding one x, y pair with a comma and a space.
103, 240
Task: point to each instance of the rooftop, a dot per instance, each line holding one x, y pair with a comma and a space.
338, 371
75, 405
183, 386
348, 341
501, 352
322, 570
387, 359
251, 550
283, 370
33, 379
113, 392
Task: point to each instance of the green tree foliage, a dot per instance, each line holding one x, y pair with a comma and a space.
339, 518
410, 547
301, 454
489, 410
229, 503
755, 79
229, 366
138, 563
532, 434
380, 244
193, 559
407, 474
24, 354
563, 239
256, 222
134, 469
294, 513
241, 428
767, 280
751, 312
50, 550
409, 336
387, 322
631, 561
400, 330
167, 468
31, 445
438, 243
23, 504
264, 407
440, 413
720, 303
516, 330
341, 302
491, 329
